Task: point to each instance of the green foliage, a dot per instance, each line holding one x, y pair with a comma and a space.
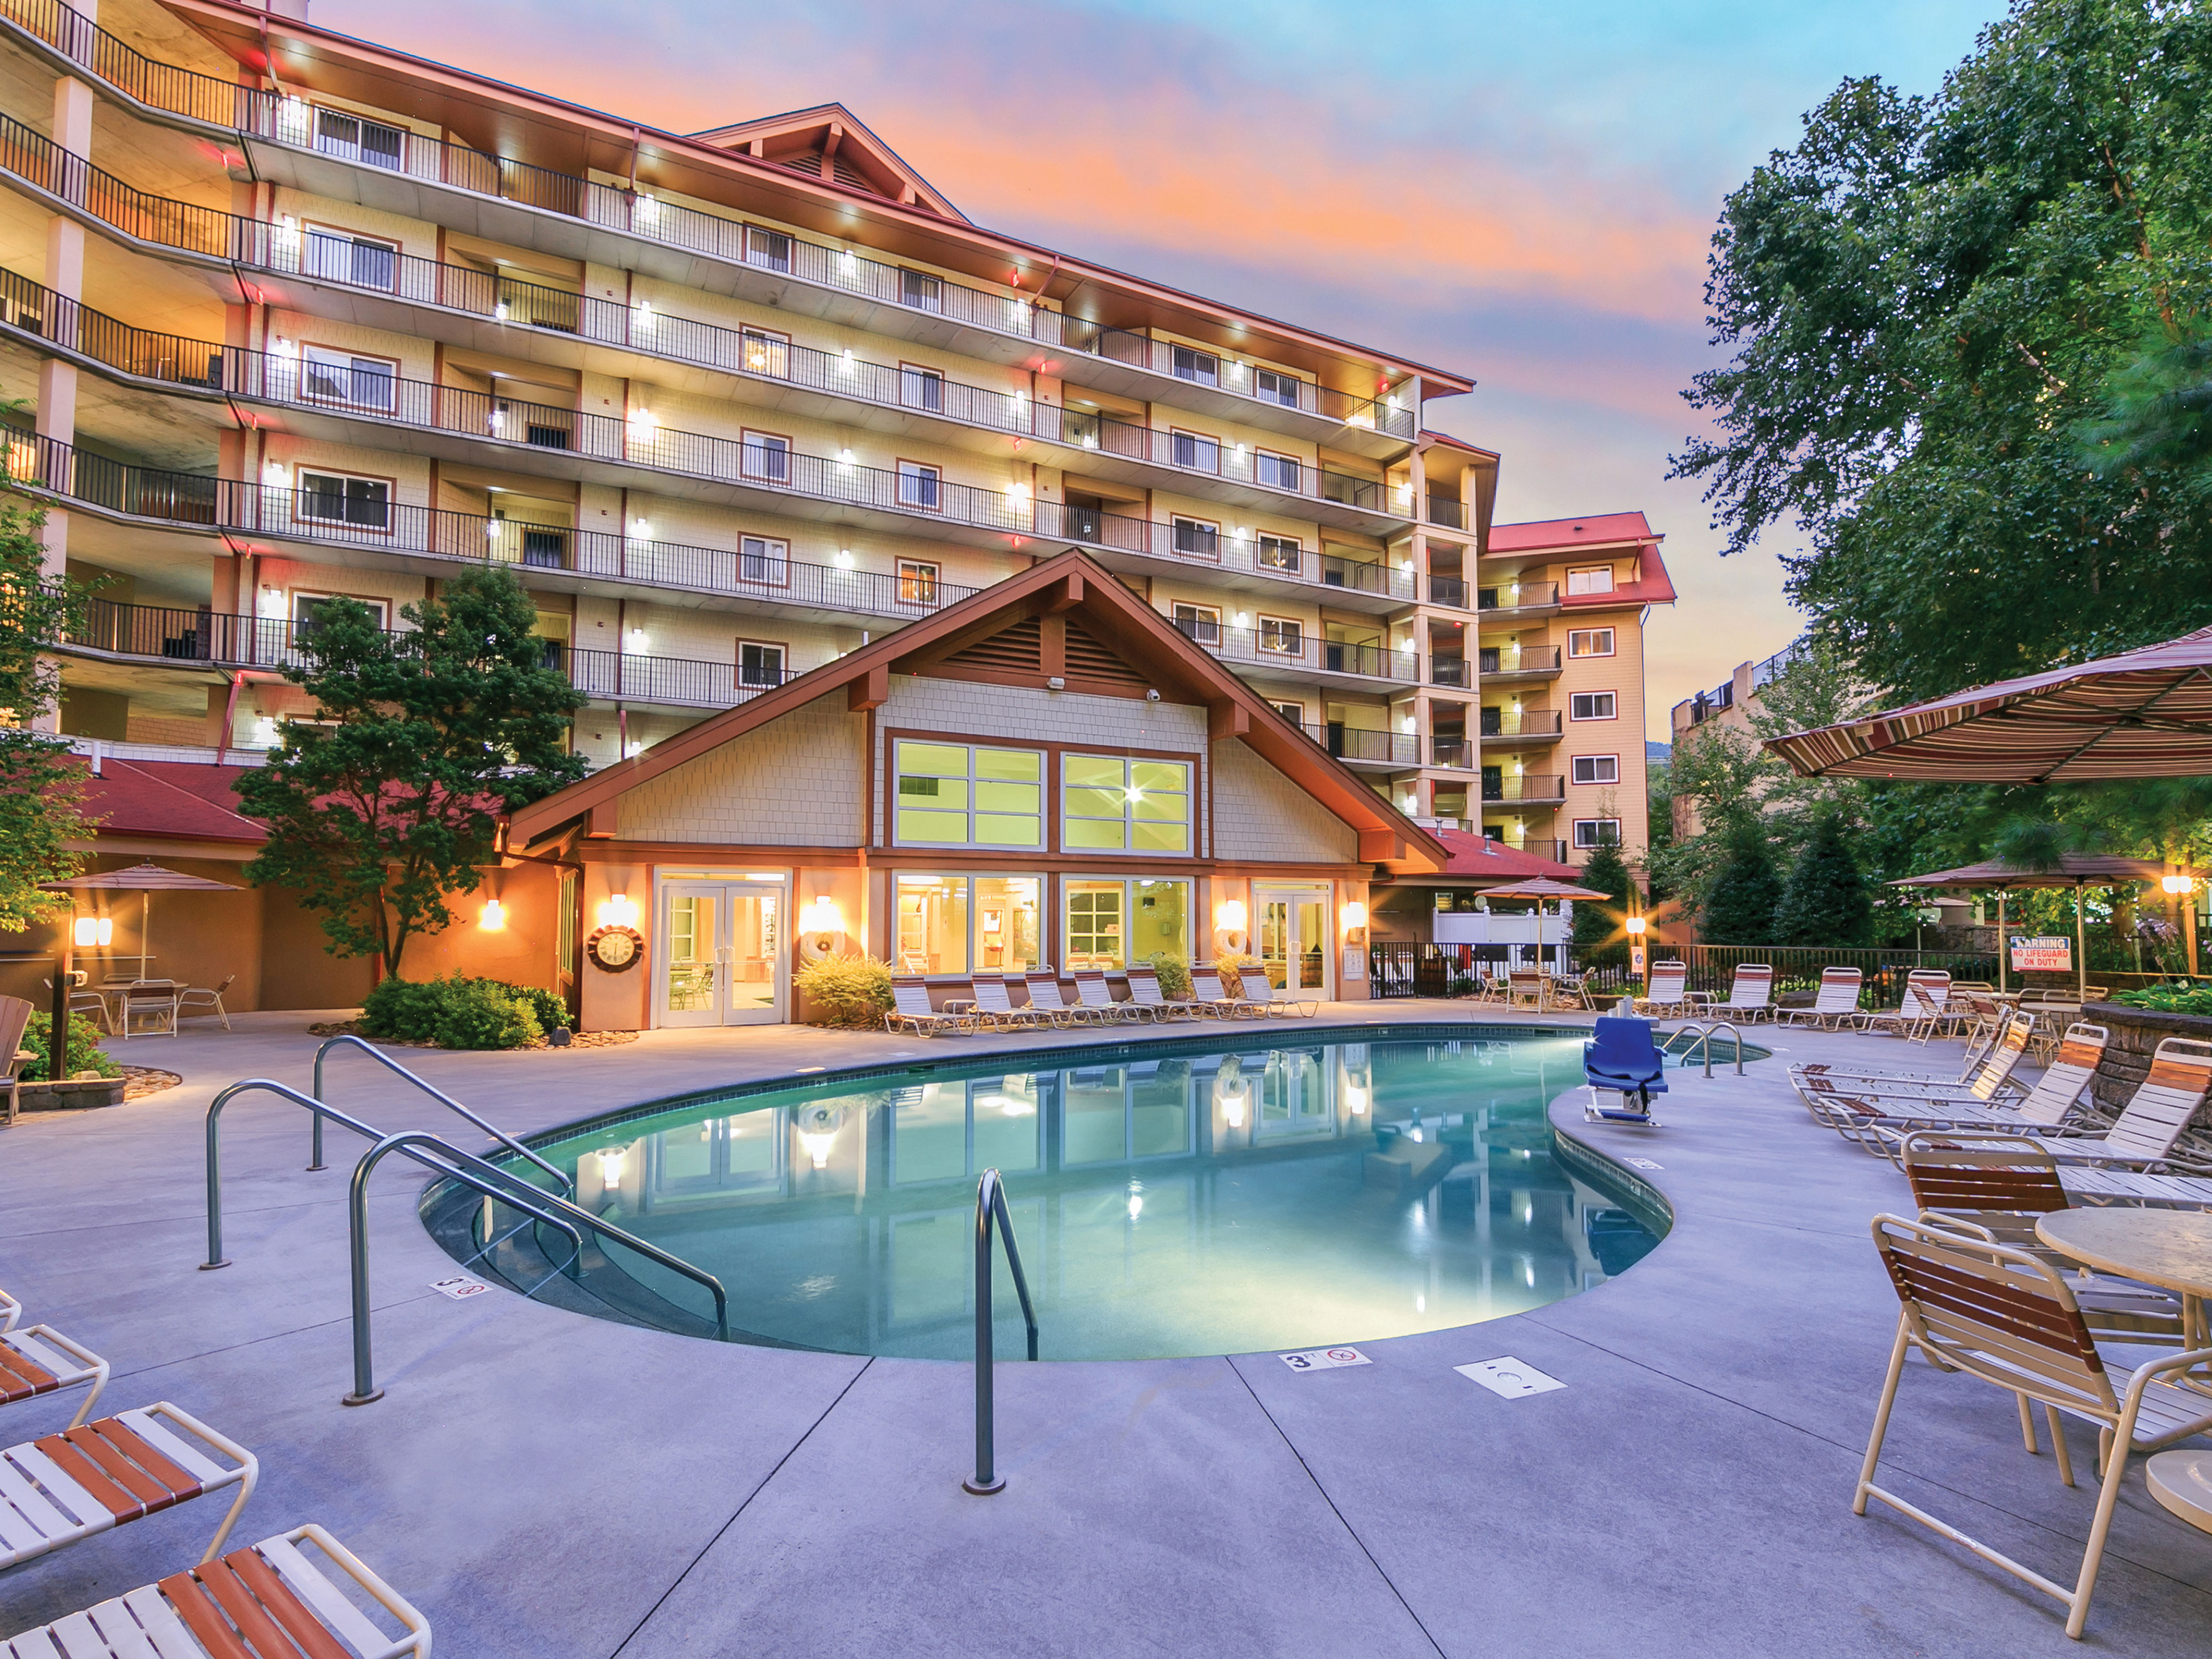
853, 990
427, 736
1598, 937
85, 1053
2179, 999
42, 783
1932, 305
1824, 902
1738, 907
1173, 969
461, 1013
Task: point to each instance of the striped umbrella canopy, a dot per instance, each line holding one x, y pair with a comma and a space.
2144, 714
143, 878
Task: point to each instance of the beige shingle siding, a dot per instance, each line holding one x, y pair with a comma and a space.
793, 782
1259, 814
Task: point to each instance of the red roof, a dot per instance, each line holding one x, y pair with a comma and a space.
1482, 858
183, 800
1592, 530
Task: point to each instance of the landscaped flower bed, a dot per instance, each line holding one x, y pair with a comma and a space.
2137, 1033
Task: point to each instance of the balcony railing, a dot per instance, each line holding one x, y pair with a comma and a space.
1450, 670
1528, 723
1455, 752
1524, 596
1353, 744
1448, 511
350, 138
1528, 660
1295, 651
1525, 786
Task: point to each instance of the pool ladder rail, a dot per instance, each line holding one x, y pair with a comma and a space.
990, 1211
1701, 1041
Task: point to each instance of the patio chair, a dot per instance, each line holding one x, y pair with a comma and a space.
1996, 1186
2004, 1317
153, 999
87, 1479
1985, 1077
1666, 991
910, 1011
271, 1592
82, 999
1623, 1059
1092, 991
1751, 993
38, 1360
2051, 1107
995, 1007
1207, 993
1145, 992
1277, 999
2156, 1117
15, 1019
1835, 1006
1524, 984
197, 1001
1843, 1102
1045, 1002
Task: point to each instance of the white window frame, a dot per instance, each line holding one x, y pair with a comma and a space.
931, 290
1128, 885
974, 912
302, 495
1293, 712
352, 240
917, 479
1581, 572
1288, 552
782, 669
1588, 633
1269, 465
1129, 820
1284, 382
1205, 529
1205, 366
1202, 617
774, 349
764, 457
347, 366
1595, 762
1576, 698
919, 580
1291, 628
895, 794
921, 387
1201, 445
763, 561
1591, 844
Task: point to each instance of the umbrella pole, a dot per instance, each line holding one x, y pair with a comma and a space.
2080, 953
145, 911
2004, 955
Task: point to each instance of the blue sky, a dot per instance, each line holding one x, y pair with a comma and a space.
1523, 192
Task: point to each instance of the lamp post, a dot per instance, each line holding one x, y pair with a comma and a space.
2181, 889
1635, 924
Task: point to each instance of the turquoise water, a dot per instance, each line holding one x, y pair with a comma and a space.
1276, 1194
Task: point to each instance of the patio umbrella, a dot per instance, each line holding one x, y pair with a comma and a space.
2144, 714
2073, 870
1541, 888
145, 879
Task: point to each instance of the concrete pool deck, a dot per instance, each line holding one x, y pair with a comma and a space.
543, 1484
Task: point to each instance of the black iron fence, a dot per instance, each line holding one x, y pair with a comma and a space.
1406, 968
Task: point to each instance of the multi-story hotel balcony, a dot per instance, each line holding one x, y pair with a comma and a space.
1509, 601
1287, 648
1526, 664
346, 155
1528, 728
1526, 786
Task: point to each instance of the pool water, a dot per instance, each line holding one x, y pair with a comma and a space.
1221, 1196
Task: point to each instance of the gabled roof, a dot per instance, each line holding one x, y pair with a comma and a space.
1477, 859
1592, 530
178, 800
1069, 585
829, 143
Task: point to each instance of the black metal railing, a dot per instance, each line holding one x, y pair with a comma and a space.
1358, 744
1525, 786
1528, 723
1797, 968
1451, 751
1407, 968
1527, 659
349, 136
1448, 511
1451, 671
1527, 596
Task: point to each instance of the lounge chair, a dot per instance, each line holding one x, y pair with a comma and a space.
1751, 994
1996, 1186
2051, 1107
910, 1011
1623, 1058
1208, 994
1277, 999
38, 1360
993, 1006
2007, 1318
87, 1479
271, 1592
2156, 1117
1046, 1002
1666, 990
1835, 1006
1983, 1078
1092, 992
15, 1019
197, 1001
1145, 992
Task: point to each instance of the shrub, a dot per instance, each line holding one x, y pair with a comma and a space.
2170, 998
482, 1013
850, 990
1174, 970
425, 1010
85, 1053
1233, 966
403, 1008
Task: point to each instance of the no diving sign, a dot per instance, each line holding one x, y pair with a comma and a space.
1323, 1359
461, 1286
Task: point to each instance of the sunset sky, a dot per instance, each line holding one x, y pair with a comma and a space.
1522, 192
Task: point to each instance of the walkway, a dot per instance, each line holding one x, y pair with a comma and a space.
543, 1484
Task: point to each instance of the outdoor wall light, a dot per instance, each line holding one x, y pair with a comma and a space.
1353, 916
1229, 916
844, 560
642, 424
493, 919
2177, 885
94, 930
645, 313
637, 639
616, 910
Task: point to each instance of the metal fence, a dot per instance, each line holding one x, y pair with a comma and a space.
1406, 968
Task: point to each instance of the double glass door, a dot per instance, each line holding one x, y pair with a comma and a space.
722, 960
1293, 937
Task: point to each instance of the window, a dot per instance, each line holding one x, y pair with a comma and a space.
1275, 553
339, 377
917, 582
1202, 367
1110, 923
1590, 578
306, 607
1112, 804
333, 498
922, 388
342, 257
1272, 387
1589, 642
1275, 471
1196, 538
771, 248
1592, 706
1597, 768
357, 140
968, 924
546, 548
919, 485
1597, 832
767, 352
1294, 712
1285, 636
1194, 450
1201, 622
924, 292
759, 665
951, 794
760, 560
767, 456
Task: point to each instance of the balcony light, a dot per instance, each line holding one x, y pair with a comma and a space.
264, 732
1392, 404
846, 363
642, 426
844, 560
491, 530
1090, 442
643, 529
272, 473
1018, 491
1243, 619
637, 640
498, 420
1240, 452
1242, 534
645, 209
1406, 565
645, 313
1365, 421
848, 266
1408, 723
844, 457
499, 311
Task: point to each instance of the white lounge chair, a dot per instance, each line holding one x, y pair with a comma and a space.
1751, 993
1986, 1077
272, 1591
1092, 992
1834, 1006
1667, 990
1046, 997
1277, 999
910, 1011
95, 1477
995, 1007
1881, 1124
1208, 994
37, 1360
2156, 1117
1145, 992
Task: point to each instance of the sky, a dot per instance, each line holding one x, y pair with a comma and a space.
1523, 193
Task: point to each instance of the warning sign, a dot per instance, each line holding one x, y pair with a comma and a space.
2052, 954
1324, 1359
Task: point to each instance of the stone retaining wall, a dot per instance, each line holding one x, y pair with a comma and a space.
2137, 1033
74, 1096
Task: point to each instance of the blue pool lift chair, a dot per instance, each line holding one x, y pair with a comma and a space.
1624, 1060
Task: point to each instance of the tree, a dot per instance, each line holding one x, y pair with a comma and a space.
1739, 909
42, 783
1824, 902
1930, 303
1598, 936
422, 739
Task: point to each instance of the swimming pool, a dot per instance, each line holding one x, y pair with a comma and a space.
1260, 1190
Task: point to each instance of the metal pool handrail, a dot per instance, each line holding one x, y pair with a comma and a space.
283, 1090
567, 1186
1704, 1034
991, 1206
